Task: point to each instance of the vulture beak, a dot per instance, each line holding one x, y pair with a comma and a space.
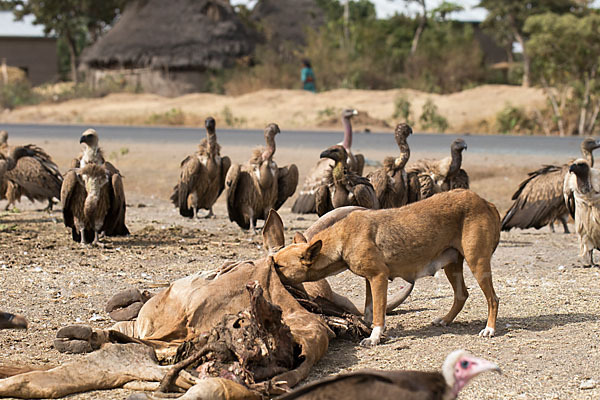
83, 139
578, 168
354, 112
597, 143
327, 154
482, 365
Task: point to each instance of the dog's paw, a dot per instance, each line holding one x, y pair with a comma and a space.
487, 332
439, 322
368, 342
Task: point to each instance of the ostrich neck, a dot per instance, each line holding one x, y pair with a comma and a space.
456, 162
404, 154
347, 134
270, 150
588, 155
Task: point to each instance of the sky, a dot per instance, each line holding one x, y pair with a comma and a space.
386, 8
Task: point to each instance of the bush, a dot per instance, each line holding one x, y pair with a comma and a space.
18, 93
402, 109
513, 119
431, 119
172, 117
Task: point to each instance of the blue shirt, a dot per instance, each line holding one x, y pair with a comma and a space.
308, 79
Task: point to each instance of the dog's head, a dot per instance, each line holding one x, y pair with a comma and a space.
294, 262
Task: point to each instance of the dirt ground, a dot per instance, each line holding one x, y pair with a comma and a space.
549, 318
472, 110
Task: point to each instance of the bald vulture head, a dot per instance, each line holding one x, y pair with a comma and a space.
348, 113
402, 132
89, 138
337, 153
3, 137
459, 145
460, 367
271, 130
590, 144
210, 124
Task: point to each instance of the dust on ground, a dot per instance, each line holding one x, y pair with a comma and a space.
472, 110
548, 326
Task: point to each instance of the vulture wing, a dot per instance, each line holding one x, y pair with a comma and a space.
225, 164
569, 186
405, 385
305, 202
287, 180
72, 197
114, 222
539, 199
76, 162
414, 187
37, 177
359, 164
192, 176
323, 200
231, 185
460, 181
364, 194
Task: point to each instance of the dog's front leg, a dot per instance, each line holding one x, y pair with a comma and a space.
378, 285
368, 315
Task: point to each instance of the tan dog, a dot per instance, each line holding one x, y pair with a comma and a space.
408, 242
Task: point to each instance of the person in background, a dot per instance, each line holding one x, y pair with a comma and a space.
308, 77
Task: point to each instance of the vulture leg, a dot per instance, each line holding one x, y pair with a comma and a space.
563, 219
50, 205
590, 257
210, 214
454, 273
552, 226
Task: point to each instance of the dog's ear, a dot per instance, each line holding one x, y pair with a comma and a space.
299, 238
311, 253
272, 233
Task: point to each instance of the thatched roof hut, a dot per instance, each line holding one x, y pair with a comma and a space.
171, 36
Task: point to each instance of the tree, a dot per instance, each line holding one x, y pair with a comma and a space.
508, 17
68, 19
566, 54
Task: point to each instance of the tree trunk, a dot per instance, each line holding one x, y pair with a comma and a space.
420, 29
347, 24
72, 56
555, 107
526, 60
585, 101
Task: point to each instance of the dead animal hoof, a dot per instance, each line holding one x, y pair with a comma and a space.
439, 322
64, 345
126, 305
128, 313
78, 332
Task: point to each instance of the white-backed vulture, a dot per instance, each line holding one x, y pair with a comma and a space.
9, 160
539, 200
344, 187
90, 202
391, 181
321, 172
582, 196
254, 188
202, 176
36, 176
445, 174
92, 154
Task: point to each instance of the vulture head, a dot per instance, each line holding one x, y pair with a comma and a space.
590, 144
89, 138
3, 137
210, 124
349, 113
581, 169
271, 130
402, 132
337, 153
460, 367
458, 145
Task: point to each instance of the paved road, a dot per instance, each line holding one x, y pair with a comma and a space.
494, 144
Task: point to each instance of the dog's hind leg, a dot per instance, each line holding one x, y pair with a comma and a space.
454, 273
482, 271
368, 314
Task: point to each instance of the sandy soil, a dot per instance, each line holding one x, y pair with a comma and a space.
549, 321
472, 110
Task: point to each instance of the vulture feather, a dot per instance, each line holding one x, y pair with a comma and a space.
539, 200
90, 202
12, 321
344, 187
437, 176
458, 369
254, 188
391, 182
321, 172
202, 176
582, 196
35, 176
92, 154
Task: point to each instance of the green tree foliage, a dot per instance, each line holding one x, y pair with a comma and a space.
506, 21
73, 21
565, 50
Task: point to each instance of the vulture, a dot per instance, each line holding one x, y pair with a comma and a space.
254, 188
321, 173
539, 200
92, 154
202, 176
582, 196
91, 202
437, 176
391, 182
35, 176
344, 187
12, 321
9, 159
458, 369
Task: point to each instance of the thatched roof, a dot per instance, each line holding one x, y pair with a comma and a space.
174, 34
287, 20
